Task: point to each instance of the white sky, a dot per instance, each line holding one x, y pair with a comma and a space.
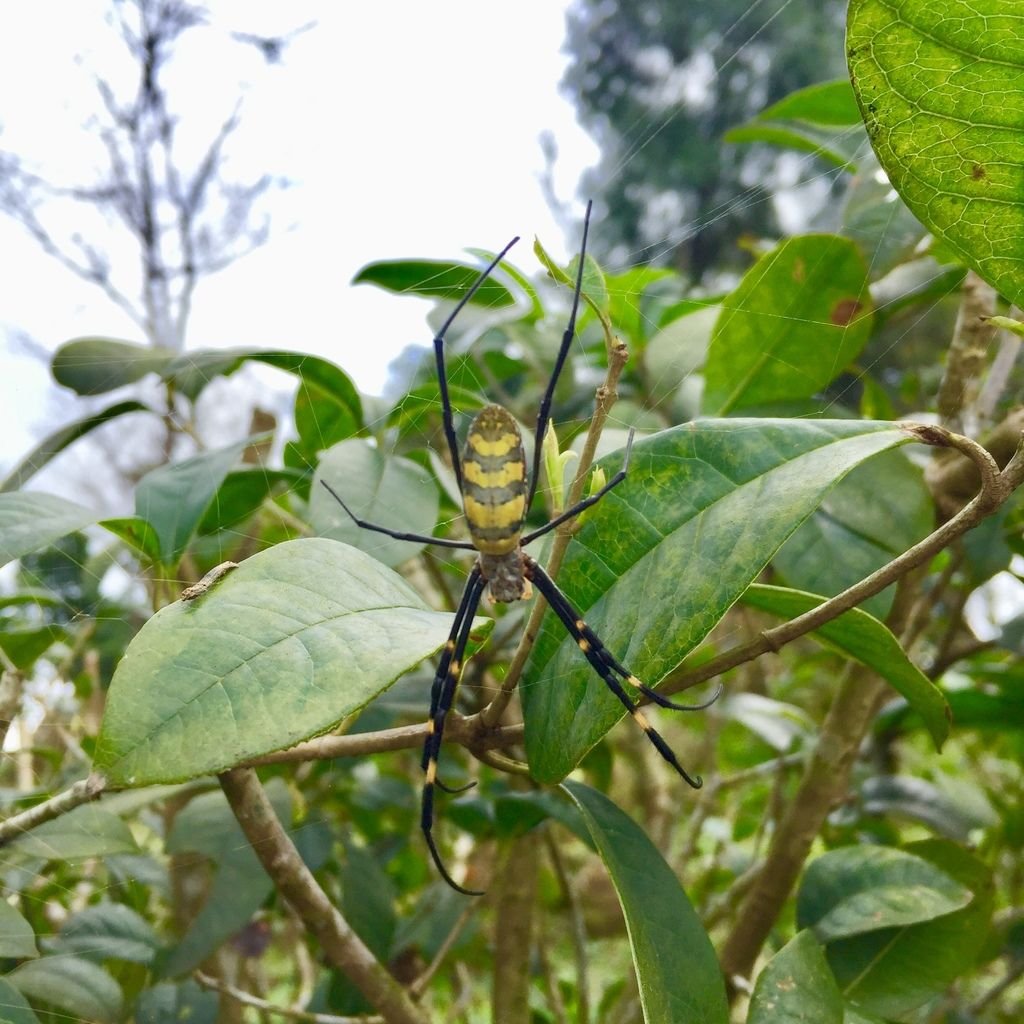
408, 129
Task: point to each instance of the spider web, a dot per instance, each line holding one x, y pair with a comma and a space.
99, 474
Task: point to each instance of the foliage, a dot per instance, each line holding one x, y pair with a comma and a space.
660, 85
782, 528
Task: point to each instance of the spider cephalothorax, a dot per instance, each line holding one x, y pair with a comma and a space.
496, 496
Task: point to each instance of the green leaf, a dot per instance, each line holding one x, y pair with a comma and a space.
676, 968
893, 970
864, 638
87, 831
914, 799
872, 516
137, 533
435, 278
24, 646
283, 648
52, 445
92, 366
838, 150
796, 987
241, 494
30, 520
15, 1009
782, 726
387, 490
17, 940
240, 884
594, 290
78, 987
674, 355
174, 499
828, 103
107, 931
939, 85
859, 889
663, 556
798, 318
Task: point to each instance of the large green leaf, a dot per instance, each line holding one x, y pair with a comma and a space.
891, 971
434, 279
798, 318
53, 444
941, 88
859, 889
797, 987
676, 969
79, 988
281, 649
174, 499
863, 637
92, 366
30, 520
661, 559
384, 489
875, 514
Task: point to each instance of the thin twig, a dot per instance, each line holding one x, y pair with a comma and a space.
996, 488
419, 986
404, 737
82, 792
605, 398
1013, 974
247, 999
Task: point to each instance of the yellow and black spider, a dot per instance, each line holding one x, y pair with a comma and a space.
496, 496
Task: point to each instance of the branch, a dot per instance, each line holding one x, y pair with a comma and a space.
82, 792
824, 783
958, 392
341, 947
457, 730
996, 487
247, 999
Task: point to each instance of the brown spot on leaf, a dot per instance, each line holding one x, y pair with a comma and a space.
978, 172
845, 311
799, 272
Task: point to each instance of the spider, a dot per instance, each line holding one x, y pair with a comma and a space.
496, 495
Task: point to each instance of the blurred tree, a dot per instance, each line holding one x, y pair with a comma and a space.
657, 84
184, 217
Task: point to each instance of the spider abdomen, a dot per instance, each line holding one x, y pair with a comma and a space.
494, 481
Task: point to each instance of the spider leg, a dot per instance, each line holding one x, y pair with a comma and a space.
397, 534
443, 666
544, 413
442, 376
585, 503
442, 695
602, 662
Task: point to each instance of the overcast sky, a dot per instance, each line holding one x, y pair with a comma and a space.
408, 129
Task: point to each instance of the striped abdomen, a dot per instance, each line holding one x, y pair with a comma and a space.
494, 481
